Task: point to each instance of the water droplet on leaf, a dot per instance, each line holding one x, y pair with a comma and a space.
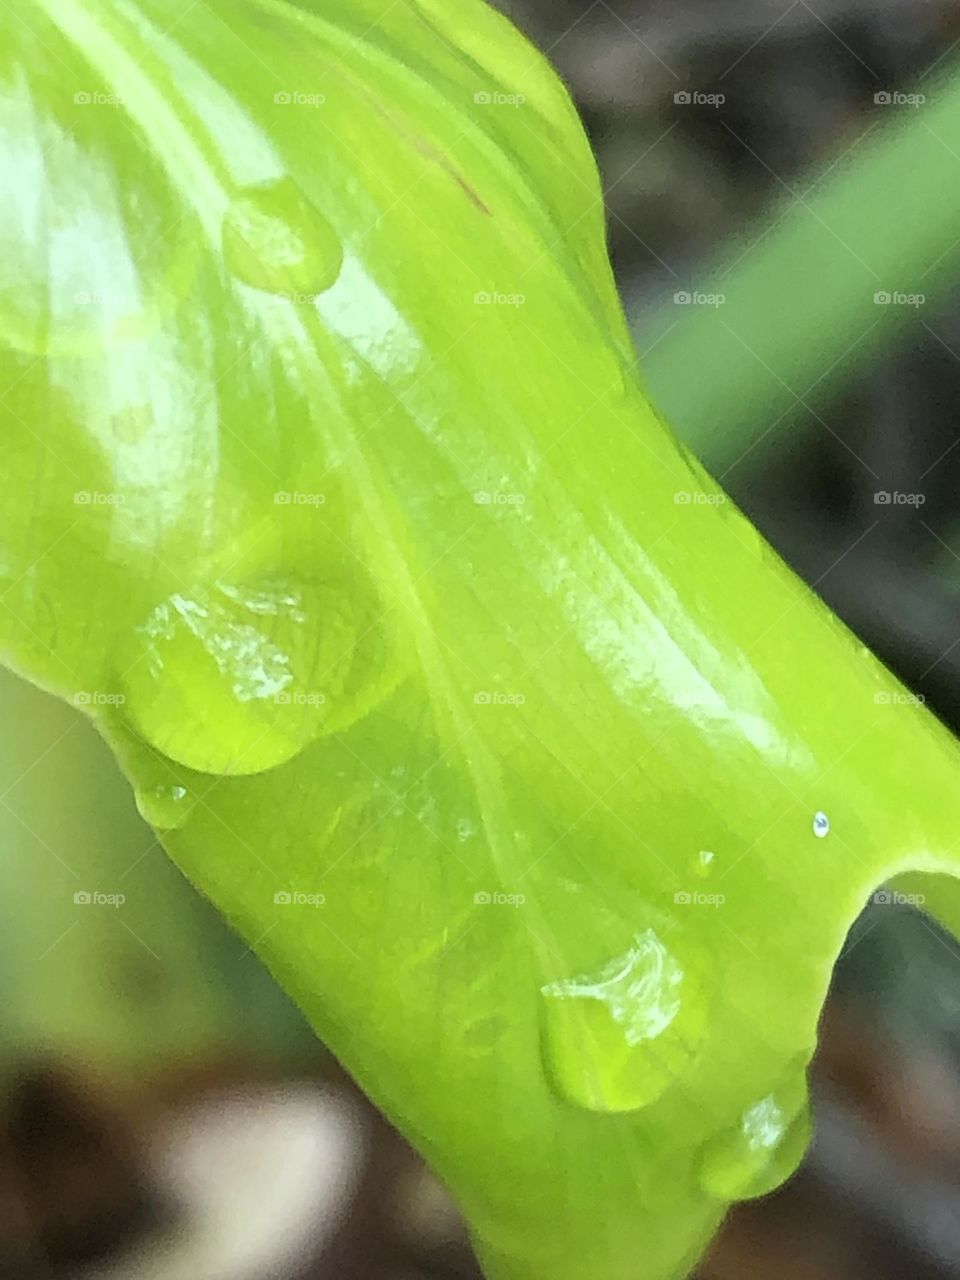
164, 807
704, 863
236, 680
275, 239
615, 1040
761, 1151
821, 824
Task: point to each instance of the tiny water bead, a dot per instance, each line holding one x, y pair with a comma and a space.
276, 240
762, 1150
164, 807
234, 680
821, 824
615, 1040
704, 863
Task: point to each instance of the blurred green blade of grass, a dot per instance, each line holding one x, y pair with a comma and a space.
821, 283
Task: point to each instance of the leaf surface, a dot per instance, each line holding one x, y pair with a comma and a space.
453, 681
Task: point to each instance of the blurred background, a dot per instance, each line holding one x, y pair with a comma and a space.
783, 193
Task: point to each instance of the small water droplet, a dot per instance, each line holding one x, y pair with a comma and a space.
704, 863
236, 680
164, 807
821, 824
615, 1040
465, 830
275, 239
762, 1150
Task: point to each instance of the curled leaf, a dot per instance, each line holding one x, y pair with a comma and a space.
459, 686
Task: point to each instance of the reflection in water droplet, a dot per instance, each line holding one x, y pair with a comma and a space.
614, 1041
276, 240
164, 807
234, 681
762, 1151
821, 824
465, 830
704, 863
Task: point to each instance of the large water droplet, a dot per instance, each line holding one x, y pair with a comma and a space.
236, 680
615, 1040
762, 1150
276, 240
164, 807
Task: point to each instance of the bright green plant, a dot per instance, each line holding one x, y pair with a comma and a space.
452, 680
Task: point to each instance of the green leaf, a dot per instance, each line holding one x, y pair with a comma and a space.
530, 771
